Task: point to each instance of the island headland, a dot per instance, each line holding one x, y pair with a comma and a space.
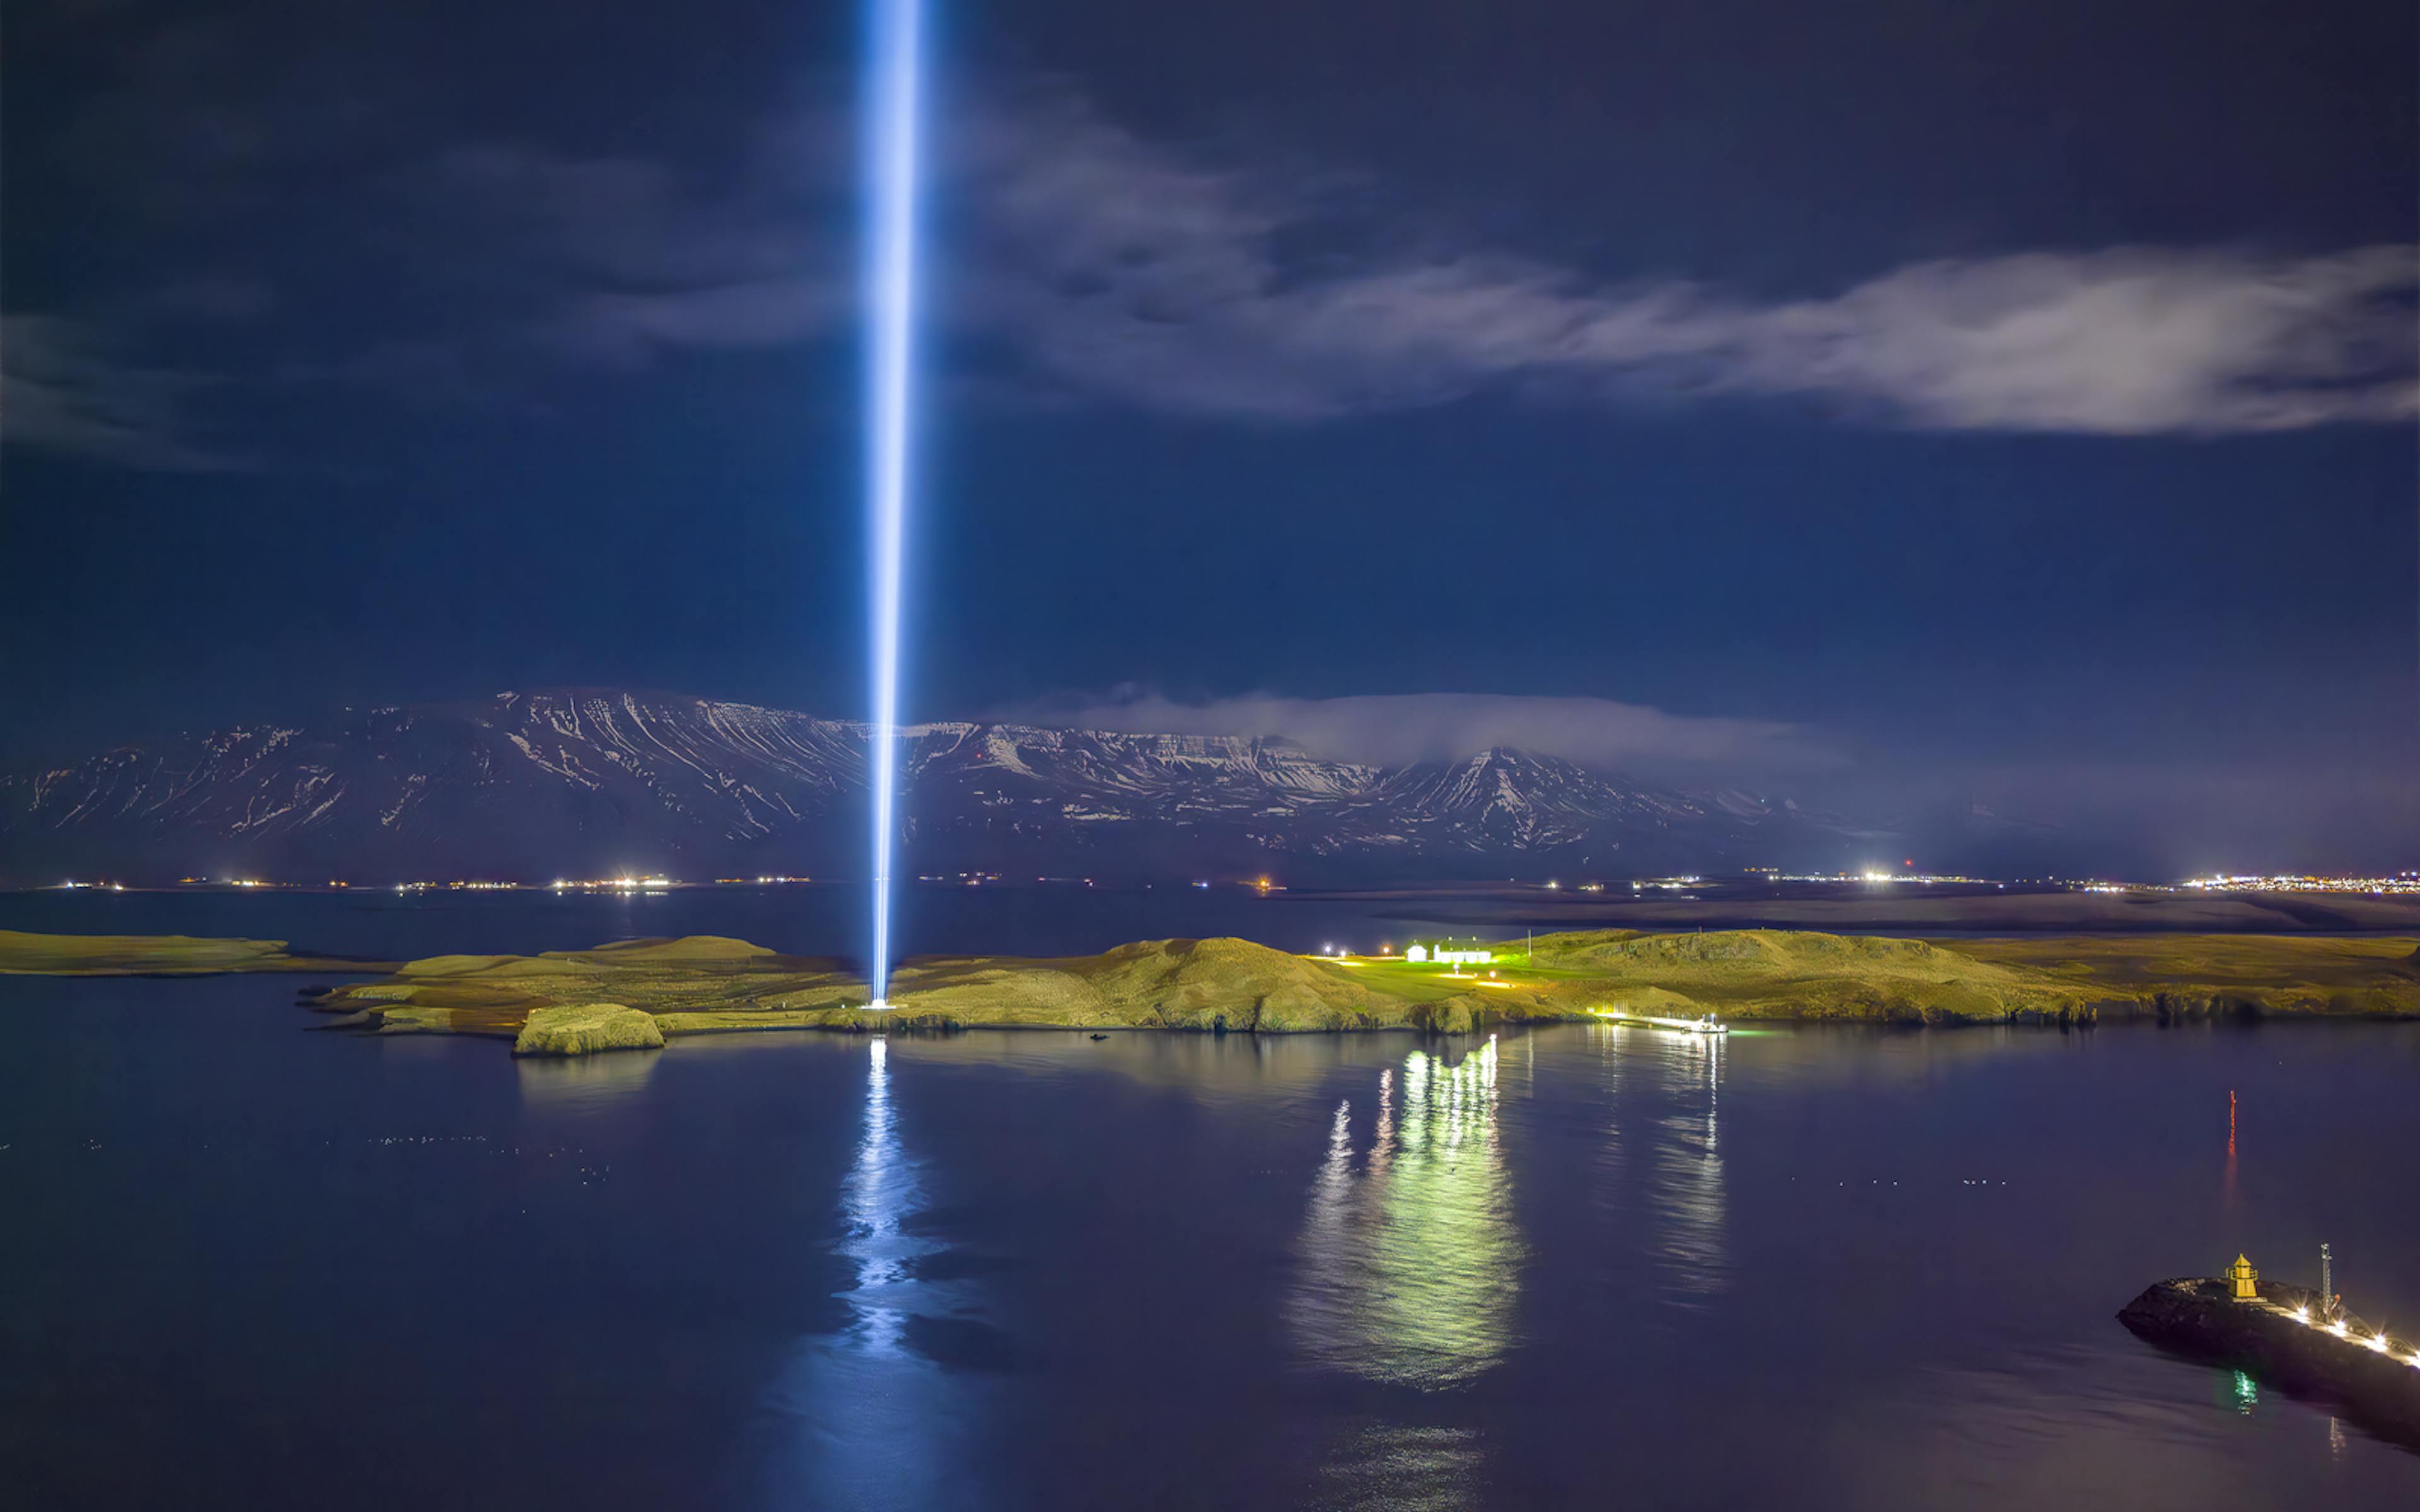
556, 1002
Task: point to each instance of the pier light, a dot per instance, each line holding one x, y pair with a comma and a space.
2337, 1328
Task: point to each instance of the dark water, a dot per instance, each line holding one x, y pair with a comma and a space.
250, 1266
816, 919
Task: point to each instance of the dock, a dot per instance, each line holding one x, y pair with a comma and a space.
1709, 1025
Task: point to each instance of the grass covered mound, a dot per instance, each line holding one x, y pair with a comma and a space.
584, 1028
153, 955
1796, 974
695, 983
1175, 985
2261, 975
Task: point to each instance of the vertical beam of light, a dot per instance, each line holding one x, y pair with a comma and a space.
896, 66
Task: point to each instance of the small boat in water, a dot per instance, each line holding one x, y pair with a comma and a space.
1708, 1025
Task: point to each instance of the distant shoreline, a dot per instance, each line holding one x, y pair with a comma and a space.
1903, 909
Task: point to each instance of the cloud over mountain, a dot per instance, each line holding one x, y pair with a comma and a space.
1396, 728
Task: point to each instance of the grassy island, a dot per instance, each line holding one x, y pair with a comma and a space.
704, 985
155, 955
569, 1002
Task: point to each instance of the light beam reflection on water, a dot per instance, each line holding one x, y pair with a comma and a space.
881, 1191
872, 1414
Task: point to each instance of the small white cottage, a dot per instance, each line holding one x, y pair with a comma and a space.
1446, 953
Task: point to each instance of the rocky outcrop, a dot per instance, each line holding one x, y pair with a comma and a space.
584, 1028
2379, 1389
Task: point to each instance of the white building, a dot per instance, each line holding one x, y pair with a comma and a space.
1446, 953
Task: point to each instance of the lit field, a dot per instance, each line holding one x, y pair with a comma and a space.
708, 984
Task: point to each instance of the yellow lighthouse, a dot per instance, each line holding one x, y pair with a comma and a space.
2243, 1281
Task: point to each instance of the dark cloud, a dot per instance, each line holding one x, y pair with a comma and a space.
1083, 262
67, 386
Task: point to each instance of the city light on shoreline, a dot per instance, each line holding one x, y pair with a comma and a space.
2405, 883
2401, 882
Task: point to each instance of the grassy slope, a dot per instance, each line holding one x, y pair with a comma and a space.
2282, 975
702, 981
1786, 974
1184, 984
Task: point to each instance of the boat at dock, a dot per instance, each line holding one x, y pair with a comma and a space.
1708, 1025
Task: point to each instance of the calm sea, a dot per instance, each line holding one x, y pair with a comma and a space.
248, 1265
814, 919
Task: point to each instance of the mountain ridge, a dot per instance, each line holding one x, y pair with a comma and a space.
590, 781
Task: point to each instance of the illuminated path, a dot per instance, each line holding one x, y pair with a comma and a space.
895, 63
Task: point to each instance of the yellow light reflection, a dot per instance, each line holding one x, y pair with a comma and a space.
1689, 1163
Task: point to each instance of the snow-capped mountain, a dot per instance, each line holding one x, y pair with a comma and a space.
583, 783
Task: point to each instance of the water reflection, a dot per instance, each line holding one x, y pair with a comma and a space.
2229, 1186
871, 1404
1403, 1467
1410, 1267
1689, 1165
585, 1084
880, 1192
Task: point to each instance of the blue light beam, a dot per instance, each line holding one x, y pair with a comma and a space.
893, 105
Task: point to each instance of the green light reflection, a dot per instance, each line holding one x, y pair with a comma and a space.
1410, 1268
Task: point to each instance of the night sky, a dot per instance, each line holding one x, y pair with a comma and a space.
1919, 404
